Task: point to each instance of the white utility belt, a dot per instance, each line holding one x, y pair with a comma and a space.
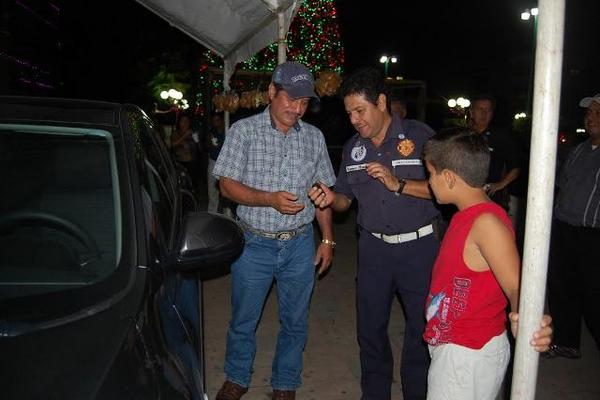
405, 237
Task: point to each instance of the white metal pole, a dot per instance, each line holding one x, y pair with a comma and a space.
546, 102
281, 40
227, 72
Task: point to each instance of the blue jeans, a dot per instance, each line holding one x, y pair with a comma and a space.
291, 264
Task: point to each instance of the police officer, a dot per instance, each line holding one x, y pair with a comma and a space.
506, 157
382, 169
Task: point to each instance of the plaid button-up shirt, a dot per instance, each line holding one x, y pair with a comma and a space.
259, 156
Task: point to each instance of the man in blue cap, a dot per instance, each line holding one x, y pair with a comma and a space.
267, 165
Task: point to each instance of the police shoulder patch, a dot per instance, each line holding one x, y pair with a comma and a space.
358, 153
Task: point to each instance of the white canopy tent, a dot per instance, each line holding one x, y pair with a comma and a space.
234, 29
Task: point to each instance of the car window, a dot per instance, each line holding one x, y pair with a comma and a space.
60, 221
156, 178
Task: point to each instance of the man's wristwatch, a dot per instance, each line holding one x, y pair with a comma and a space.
328, 242
400, 189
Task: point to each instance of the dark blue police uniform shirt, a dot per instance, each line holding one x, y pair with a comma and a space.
504, 153
380, 210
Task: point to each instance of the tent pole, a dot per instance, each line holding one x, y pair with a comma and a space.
227, 72
281, 38
540, 195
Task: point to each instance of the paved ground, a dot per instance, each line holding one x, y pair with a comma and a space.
331, 365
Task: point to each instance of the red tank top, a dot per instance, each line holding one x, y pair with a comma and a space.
464, 307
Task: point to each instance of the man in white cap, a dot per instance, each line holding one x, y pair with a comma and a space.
267, 165
574, 273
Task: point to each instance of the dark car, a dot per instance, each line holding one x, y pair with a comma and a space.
100, 254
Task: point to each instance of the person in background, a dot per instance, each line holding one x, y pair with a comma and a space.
215, 137
505, 163
398, 231
184, 146
574, 269
267, 165
398, 107
476, 271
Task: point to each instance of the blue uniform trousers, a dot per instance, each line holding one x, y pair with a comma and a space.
384, 272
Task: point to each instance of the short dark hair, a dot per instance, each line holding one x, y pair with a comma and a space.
183, 115
485, 97
397, 100
368, 82
278, 87
460, 151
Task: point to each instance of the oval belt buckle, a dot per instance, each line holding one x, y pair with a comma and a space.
284, 235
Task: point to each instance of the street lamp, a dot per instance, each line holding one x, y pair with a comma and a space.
459, 107
385, 60
176, 98
526, 16
460, 103
520, 115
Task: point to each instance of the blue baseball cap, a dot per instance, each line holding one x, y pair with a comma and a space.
295, 79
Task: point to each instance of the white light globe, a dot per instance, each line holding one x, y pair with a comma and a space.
525, 15
451, 103
534, 12
164, 95
383, 59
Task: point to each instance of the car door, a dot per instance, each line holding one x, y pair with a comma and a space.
177, 299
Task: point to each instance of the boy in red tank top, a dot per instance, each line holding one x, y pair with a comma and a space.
476, 271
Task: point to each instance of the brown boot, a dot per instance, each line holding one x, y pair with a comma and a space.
284, 394
231, 391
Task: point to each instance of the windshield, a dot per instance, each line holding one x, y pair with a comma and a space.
59, 209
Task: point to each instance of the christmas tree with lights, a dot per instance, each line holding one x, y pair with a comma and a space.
313, 40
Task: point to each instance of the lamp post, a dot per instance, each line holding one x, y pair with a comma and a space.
459, 106
385, 60
526, 16
175, 97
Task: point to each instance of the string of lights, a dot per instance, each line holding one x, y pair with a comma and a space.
313, 39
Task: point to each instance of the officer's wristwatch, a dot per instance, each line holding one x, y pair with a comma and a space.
400, 189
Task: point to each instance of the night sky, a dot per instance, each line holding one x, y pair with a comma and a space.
112, 48
465, 47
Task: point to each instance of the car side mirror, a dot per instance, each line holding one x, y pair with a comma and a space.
208, 240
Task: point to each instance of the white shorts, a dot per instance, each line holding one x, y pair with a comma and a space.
460, 373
